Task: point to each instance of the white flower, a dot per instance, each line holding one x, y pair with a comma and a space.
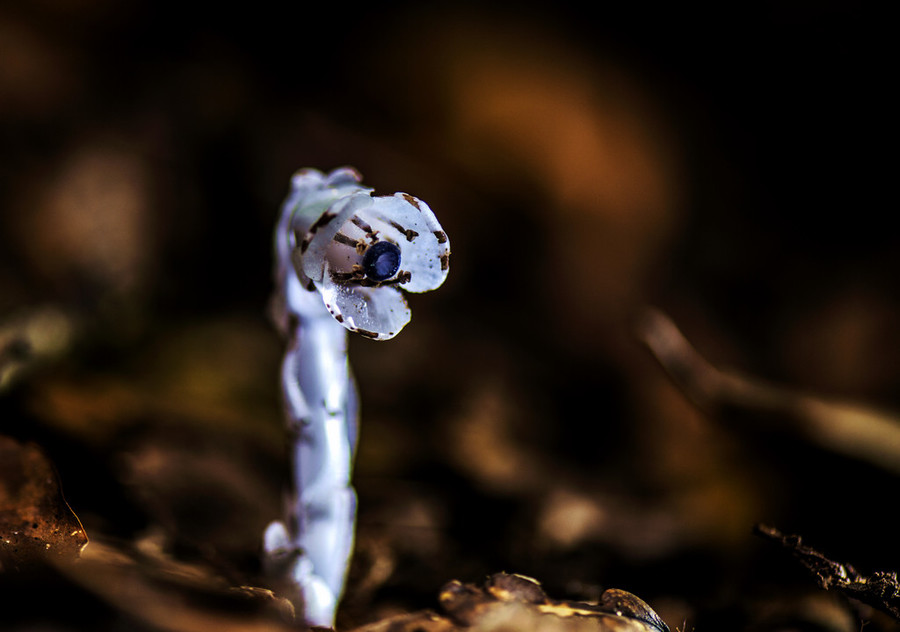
361, 251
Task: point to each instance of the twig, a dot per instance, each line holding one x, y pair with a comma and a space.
30, 338
859, 432
880, 590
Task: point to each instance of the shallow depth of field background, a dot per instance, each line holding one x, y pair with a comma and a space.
730, 166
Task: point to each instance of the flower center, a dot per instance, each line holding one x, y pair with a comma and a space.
381, 261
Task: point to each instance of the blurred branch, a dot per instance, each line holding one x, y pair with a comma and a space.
31, 338
880, 590
852, 430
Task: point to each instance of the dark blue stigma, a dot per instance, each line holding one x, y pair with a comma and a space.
381, 261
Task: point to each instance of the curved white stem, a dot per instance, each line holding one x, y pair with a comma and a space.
329, 280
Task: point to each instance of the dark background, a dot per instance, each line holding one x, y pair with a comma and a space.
732, 166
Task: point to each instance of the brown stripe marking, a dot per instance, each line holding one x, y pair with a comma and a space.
341, 238
403, 276
362, 224
323, 220
409, 232
441, 236
356, 274
445, 261
412, 200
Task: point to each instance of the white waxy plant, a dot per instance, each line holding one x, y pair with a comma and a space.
344, 258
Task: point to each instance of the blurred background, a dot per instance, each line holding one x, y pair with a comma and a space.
723, 164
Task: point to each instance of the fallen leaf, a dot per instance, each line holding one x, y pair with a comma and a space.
35, 520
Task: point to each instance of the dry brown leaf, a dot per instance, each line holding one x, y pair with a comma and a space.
174, 596
35, 520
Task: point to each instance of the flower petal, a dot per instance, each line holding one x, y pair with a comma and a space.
315, 245
411, 224
375, 312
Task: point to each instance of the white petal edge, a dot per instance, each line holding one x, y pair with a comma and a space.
375, 312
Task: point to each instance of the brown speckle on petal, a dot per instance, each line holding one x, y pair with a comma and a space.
323, 220
412, 200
